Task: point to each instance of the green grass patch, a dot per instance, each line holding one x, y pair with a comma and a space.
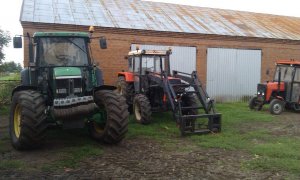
11, 164
13, 76
242, 129
4, 110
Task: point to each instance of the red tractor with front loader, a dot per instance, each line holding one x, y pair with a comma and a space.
283, 92
150, 86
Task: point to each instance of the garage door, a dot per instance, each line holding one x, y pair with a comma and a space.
232, 74
182, 58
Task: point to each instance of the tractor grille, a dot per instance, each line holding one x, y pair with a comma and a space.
68, 87
261, 90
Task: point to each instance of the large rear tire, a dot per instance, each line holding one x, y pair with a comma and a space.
115, 126
276, 106
142, 109
28, 124
126, 90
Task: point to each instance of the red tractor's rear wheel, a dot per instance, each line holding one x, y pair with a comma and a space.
276, 106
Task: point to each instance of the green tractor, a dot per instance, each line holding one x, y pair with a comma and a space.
63, 87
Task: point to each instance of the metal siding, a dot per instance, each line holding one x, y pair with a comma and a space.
232, 74
147, 15
182, 58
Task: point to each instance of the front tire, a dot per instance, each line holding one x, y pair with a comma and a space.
142, 109
276, 106
254, 104
115, 125
189, 100
126, 90
28, 124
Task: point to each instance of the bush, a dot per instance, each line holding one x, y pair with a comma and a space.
6, 88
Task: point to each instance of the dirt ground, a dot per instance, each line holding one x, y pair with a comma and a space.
142, 158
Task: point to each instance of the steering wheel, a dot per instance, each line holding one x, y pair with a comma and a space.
64, 58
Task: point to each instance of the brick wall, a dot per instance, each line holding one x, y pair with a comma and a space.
112, 60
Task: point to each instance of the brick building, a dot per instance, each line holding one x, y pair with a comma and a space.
231, 50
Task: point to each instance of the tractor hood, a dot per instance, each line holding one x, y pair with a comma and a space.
66, 72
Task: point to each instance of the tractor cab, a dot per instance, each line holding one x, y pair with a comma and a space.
283, 91
145, 64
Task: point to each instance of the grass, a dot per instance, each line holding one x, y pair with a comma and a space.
242, 130
11, 164
7, 87
4, 110
14, 76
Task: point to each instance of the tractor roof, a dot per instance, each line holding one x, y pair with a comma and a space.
288, 62
61, 34
150, 52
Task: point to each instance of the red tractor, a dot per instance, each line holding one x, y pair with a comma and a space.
149, 87
283, 92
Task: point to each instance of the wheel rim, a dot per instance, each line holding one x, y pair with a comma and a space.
99, 121
17, 121
137, 112
277, 108
120, 89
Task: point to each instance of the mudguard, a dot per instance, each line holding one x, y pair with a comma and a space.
129, 77
22, 88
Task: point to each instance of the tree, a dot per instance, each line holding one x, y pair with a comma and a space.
4, 40
10, 67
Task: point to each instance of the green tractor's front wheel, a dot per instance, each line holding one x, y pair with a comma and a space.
110, 123
27, 122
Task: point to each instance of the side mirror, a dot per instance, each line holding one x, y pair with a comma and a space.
103, 43
17, 42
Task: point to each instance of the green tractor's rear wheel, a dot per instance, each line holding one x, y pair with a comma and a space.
110, 125
27, 122
142, 109
126, 90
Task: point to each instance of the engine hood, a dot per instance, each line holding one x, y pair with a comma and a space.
66, 72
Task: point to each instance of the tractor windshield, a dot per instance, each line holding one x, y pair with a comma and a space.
286, 73
63, 51
153, 63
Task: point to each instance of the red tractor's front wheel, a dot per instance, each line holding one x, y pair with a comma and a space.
254, 104
142, 109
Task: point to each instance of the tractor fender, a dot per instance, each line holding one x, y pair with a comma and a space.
280, 98
129, 77
105, 87
22, 88
99, 77
25, 79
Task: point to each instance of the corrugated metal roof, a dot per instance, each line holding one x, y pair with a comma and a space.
146, 15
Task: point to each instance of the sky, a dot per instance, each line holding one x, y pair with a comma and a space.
10, 13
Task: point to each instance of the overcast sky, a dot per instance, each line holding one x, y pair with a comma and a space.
10, 12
